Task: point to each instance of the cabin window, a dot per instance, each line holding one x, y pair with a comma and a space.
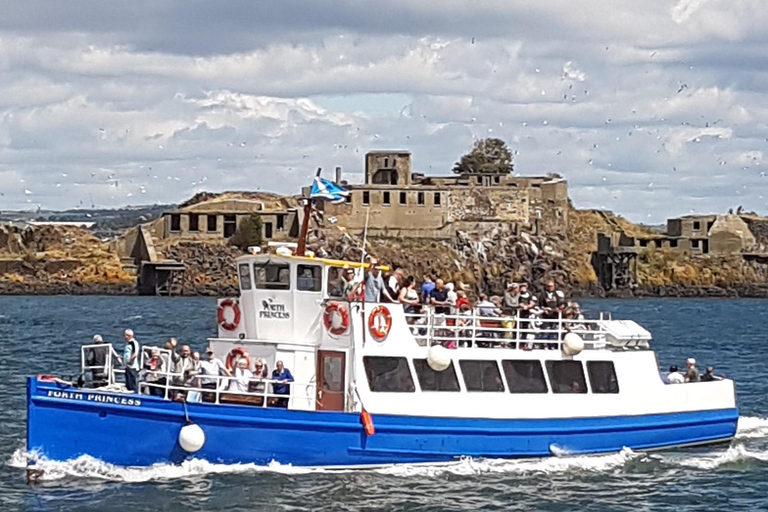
273, 276
420, 198
245, 276
280, 222
385, 198
213, 223
566, 377
696, 225
366, 198
230, 225
194, 223
388, 374
430, 380
175, 222
267, 230
437, 199
335, 282
524, 376
481, 375
497, 179
403, 198
309, 278
602, 377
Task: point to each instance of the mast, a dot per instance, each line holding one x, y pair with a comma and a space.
302, 247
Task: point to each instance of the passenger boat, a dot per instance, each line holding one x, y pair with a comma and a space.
374, 386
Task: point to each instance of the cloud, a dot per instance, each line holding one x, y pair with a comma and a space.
645, 108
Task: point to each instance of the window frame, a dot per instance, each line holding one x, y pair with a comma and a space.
194, 227
402, 363
385, 198
510, 362
248, 275
420, 199
403, 198
555, 384
437, 199
463, 363
177, 218
215, 223
271, 285
593, 388
366, 198
318, 281
422, 364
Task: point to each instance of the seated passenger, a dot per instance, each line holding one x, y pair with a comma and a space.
709, 375
486, 307
409, 297
282, 376
241, 376
154, 373
674, 376
691, 373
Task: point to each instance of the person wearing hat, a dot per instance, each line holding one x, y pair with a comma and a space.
211, 366
692, 373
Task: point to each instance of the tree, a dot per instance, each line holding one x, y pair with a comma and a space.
487, 156
248, 233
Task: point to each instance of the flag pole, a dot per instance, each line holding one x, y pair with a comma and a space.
302, 247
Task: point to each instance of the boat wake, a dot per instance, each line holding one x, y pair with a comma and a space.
626, 460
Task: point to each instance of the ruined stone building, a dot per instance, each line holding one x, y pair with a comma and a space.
398, 202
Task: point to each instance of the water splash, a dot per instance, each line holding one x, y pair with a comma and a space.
735, 454
751, 427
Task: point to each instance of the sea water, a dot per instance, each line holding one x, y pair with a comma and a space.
43, 334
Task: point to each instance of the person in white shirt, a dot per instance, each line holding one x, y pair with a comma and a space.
452, 298
240, 377
674, 376
211, 366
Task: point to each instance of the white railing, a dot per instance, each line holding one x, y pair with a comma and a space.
171, 384
472, 329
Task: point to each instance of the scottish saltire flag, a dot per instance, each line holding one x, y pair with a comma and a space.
327, 190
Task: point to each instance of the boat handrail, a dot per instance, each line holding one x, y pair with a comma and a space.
474, 329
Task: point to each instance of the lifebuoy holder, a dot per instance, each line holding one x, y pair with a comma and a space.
333, 311
222, 314
237, 352
380, 323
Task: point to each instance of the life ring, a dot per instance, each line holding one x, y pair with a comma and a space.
336, 308
379, 323
237, 353
227, 304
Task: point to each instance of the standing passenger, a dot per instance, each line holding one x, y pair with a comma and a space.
426, 289
282, 376
692, 373
131, 358
374, 285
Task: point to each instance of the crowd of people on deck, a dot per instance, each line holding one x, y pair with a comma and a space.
691, 374
180, 368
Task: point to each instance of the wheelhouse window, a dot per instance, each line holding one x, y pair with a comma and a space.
602, 377
336, 282
245, 276
481, 375
524, 376
566, 377
388, 374
194, 222
213, 223
175, 222
309, 278
273, 276
430, 380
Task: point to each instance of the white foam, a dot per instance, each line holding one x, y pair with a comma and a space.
735, 453
751, 427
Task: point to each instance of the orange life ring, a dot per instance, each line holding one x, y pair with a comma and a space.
237, 352
379, 323
226, 304
340, 309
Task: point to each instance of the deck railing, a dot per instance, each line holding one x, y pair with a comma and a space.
169, 384
473, 329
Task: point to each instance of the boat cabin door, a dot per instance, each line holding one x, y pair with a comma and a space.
331, 369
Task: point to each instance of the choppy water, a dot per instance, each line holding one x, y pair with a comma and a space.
42, 334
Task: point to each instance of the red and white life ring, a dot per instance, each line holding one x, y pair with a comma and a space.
236, 354
380, 323
222, 314
336, 318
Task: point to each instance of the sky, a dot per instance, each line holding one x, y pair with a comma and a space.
651, 109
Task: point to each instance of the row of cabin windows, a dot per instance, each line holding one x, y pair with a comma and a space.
386, 198
277, 276
392, 375
212, 224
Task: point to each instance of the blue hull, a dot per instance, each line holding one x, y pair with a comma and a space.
136, 430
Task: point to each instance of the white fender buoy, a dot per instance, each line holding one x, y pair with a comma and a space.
438, 358
572, 344
191, 438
